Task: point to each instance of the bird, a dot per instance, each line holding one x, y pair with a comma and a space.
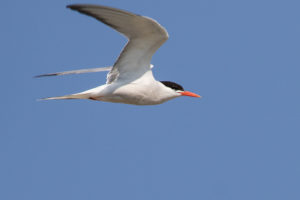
130, 80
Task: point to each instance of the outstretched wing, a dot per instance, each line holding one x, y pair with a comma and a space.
144, 34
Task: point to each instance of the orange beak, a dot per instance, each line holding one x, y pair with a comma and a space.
190, 94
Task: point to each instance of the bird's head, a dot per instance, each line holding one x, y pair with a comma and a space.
179, 89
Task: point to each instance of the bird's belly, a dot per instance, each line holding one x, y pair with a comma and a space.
135, 97
134, 93
127, 99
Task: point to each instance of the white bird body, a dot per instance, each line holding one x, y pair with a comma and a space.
143, 91
130, 80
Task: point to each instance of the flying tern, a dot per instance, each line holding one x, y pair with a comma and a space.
130, 79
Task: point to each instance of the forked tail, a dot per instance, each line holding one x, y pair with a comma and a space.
71, 96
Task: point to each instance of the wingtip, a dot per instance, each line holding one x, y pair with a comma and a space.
45, 75
75, 6
37, 76
72, 6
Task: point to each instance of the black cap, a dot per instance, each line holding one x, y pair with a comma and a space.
172, 85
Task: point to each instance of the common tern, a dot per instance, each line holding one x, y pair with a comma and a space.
130, 79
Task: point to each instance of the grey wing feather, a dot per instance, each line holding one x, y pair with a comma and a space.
78, 71
127, 23
145, 37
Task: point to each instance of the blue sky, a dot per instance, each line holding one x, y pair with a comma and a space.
240, 141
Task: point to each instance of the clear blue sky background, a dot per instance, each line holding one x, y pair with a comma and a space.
240, 141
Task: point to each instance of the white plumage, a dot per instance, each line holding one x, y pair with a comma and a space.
130, 80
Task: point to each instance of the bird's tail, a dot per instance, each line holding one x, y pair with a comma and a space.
71, 96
